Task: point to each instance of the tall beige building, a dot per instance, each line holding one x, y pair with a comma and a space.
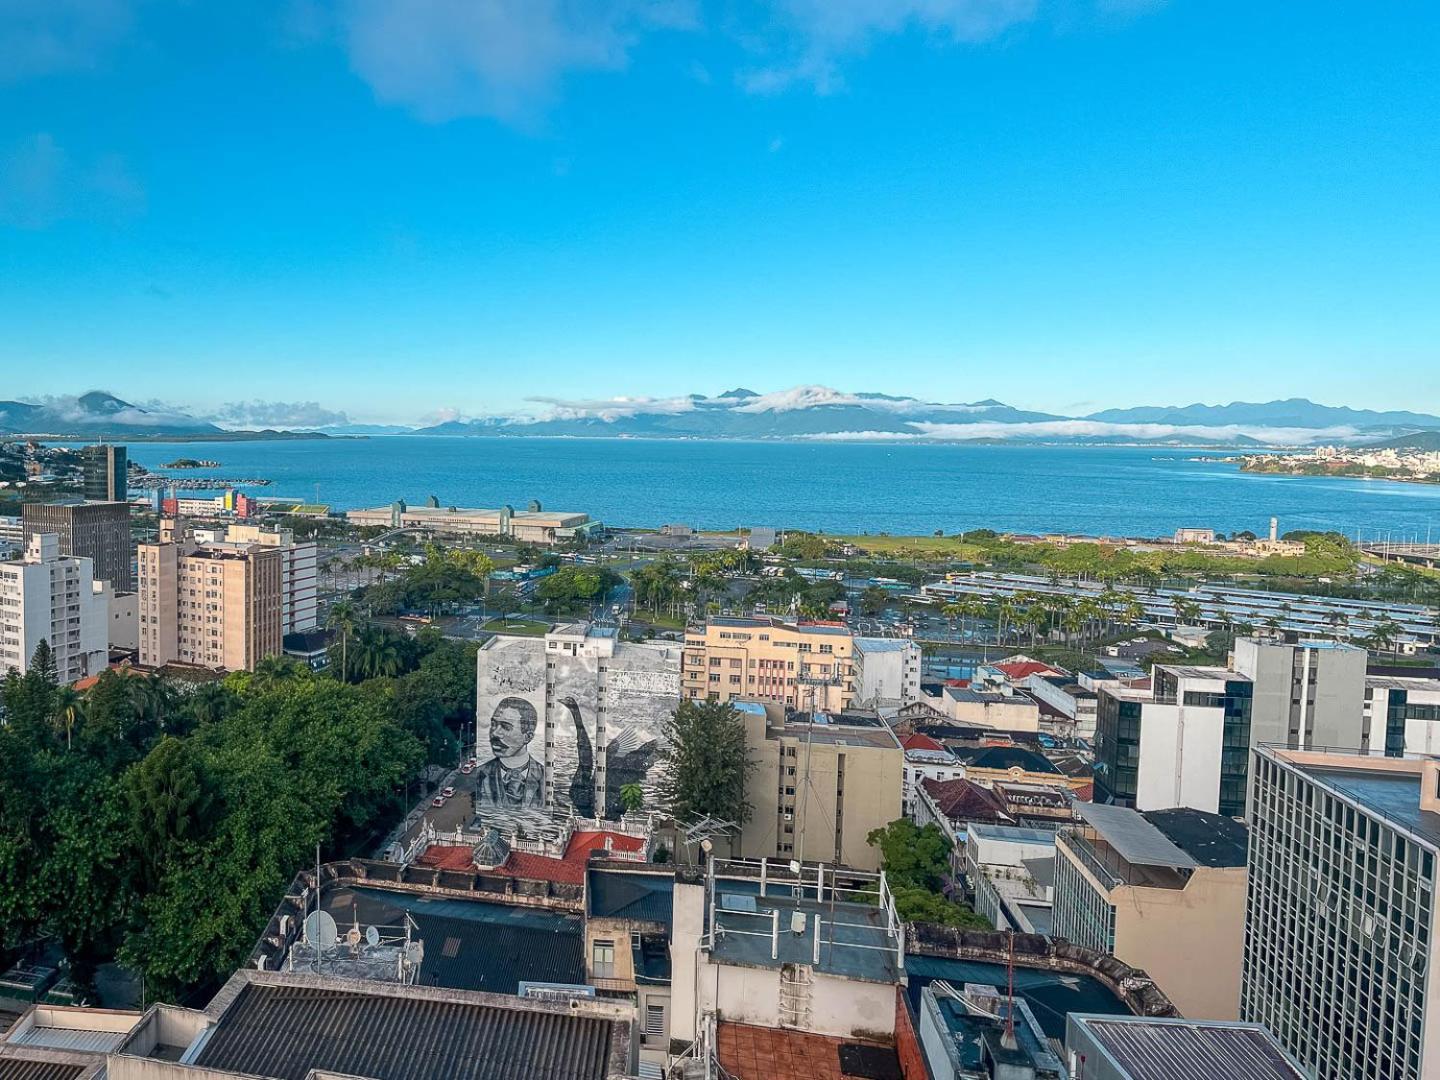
802, 665
216, 605
820, 784
1163, 891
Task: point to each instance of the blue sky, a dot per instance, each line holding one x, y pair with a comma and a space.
418, 208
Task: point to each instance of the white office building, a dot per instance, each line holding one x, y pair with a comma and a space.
1402, 715
887, 671
46, 596
1185, 741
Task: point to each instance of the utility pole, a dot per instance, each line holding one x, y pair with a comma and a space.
813, 682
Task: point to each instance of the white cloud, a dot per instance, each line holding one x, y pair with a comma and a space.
43, 37
277, 414
499, 58
612, 409
808, 397
818, 34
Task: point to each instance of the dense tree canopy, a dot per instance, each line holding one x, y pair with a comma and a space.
706, 763
159, 822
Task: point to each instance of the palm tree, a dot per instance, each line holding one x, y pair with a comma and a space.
69, 712
343, 619
378, 654
272, 670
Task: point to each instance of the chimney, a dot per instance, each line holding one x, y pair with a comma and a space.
1430, 786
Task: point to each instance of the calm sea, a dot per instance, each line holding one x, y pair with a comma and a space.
834, 487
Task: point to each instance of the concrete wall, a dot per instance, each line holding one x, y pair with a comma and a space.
1180, 747
840, 1007
1190, 941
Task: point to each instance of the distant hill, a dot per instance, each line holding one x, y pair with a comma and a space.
1421, 440
1292, 413
95, 414
819, 412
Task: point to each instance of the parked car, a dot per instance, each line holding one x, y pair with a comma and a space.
467, 768
447, 792
438, 800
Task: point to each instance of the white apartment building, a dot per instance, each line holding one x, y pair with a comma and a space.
46, 596
887, 671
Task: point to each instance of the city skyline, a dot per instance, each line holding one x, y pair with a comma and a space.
1067, 206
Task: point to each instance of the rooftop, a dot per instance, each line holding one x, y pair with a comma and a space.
762, 1053
473, 944
284, 1026
767, 925
1387, 787
1210, 839
1004, 758
1143, 1048
1051, 995
1133, 838
642, 897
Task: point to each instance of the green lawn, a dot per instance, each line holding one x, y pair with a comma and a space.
947, 547
518, 627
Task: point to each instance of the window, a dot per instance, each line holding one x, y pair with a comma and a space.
602, 959
654, 1021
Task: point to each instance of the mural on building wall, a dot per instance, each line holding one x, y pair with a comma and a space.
539, 765
641, 694
509, 725
575, 691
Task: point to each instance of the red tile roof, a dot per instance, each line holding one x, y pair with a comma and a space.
758, 1053
965, 800
583, 843
1016, 670
920, 742
520, 864
448, 857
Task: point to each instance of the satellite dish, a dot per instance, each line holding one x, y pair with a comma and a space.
794, 866
372, 936
320, 929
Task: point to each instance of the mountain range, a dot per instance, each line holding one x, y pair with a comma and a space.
802, 412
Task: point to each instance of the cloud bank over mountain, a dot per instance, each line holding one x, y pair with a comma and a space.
810, 412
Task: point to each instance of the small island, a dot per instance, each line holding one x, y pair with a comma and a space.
190, 463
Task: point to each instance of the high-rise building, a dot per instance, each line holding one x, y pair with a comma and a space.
46, 596
1186, 740
105, 473
1163, 891
1340, 925
1402, 715
98, 531
298, 562
802, 665
820, 784
217, 606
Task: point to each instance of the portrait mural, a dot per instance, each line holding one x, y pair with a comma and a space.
553, 744
510, 727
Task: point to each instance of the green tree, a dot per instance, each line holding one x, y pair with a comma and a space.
706, 762
344, 619
69, 712
632, 798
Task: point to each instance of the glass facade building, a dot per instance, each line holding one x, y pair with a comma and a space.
1340, 913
